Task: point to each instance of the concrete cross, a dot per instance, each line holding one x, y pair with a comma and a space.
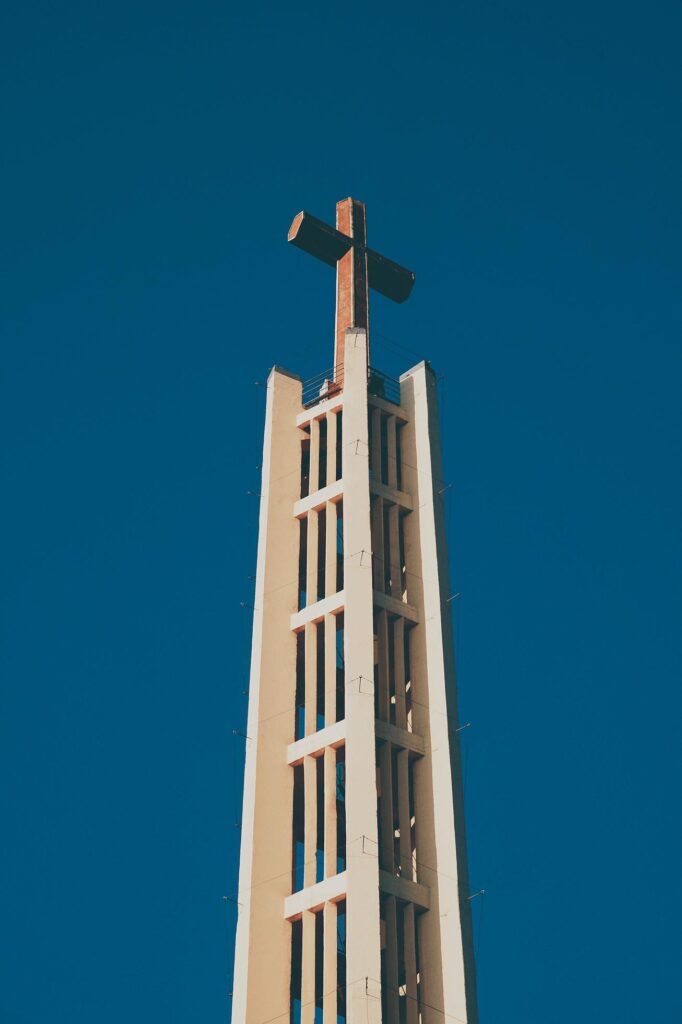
357, 268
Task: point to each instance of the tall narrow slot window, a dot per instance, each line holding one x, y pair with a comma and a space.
319, 846
298, 853
413, 819
321, 553
305, 467
391, 668
370, 419
339, 546
399, 867
389, 569
319, 669
296, 971
384, 450
339, 444
299, 725
340, 671
319, 965
323, 453
302, 562
340, 809
341, 962
409, 685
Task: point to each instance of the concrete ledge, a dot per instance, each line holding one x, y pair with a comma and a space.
390, 494
316, 612
321, 409
330, 890
399, 737
332, 492
404, 889
330, 736
388, 407
391, 604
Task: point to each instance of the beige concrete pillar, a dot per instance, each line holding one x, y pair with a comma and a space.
331, 447
329, 965
314, 456
391, 954
330, 716
398, 640
409, 925
392, 456
363, 931
311, 567
330, 551
265, 869
310, 678
310, 833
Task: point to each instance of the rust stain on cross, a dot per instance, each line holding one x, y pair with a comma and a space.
357, 268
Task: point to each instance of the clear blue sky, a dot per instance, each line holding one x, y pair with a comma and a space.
525, 160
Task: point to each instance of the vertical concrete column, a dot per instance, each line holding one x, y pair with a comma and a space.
363, 929
308, 968
375, 454
377, 548
392, 452
394, 548
310, 833
330, 712
398, 640
314, 456
331, 447
329, 964
404, 815
392, 995
310, 652
265, 866
387, 837
382, 675
311, 568
410, 932
330, 551
330, 852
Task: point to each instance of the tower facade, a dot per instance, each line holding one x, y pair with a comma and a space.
353, 890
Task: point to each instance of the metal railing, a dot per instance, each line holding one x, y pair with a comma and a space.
382, 386
330, 382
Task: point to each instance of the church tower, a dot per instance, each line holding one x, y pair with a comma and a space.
353, 889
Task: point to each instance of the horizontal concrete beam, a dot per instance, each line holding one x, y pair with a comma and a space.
389, 407
316, 612
395, 607
398, 737
320, 410
391, 494
332, 492
404, 889
330, 890
314, 745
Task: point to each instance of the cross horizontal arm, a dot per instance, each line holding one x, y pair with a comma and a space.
329, 245
318, 239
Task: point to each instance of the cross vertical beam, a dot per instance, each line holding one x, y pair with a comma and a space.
352, 288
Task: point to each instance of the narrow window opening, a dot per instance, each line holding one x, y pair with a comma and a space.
323, 454
319, 965
399, 868
299, 726
320, 687
409, 688
302, 563
305, 468
321, 553
384, 449
391, 669
339, 445
339, 546
296, 971
319, 842
340, 671
341, 809
387, 550
298, 830
341, 962
370, 420
401, 552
